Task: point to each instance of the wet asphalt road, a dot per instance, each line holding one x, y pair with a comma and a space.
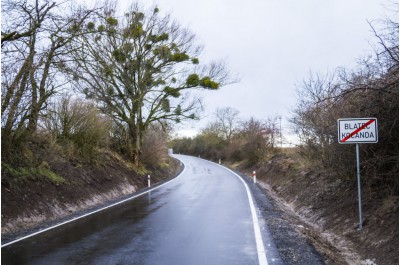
201, 217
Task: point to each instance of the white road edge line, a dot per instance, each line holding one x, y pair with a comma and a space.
262, 257
96, 211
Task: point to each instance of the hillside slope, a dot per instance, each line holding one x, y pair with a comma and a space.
325, 206
54, 185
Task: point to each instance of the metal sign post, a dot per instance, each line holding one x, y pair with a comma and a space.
356, 131
359, 187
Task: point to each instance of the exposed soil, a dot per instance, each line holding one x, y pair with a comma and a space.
324, 207
319, 204
29, 199
293, 248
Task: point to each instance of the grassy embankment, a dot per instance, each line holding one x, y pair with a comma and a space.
45, 181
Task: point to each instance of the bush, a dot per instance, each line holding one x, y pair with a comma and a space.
252, 142
155, 150
372, 90
79, 122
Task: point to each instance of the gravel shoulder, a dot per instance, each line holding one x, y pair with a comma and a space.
293, 247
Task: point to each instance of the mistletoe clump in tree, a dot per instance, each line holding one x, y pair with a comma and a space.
138, 68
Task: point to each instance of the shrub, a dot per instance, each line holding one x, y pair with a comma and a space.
79, 122
155, 150
372, 90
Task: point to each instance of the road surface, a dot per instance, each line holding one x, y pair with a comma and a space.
204, 216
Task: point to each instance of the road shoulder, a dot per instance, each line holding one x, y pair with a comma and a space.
293, 247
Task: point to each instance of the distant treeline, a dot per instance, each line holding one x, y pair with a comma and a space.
230, 138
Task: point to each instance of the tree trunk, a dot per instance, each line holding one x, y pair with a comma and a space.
135, 143
37, 103
12, 114
138, 148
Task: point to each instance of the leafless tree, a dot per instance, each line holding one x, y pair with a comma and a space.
370, 90
34, 37
227, 122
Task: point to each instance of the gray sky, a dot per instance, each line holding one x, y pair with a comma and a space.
272, 45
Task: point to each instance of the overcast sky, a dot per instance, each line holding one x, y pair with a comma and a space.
272, 45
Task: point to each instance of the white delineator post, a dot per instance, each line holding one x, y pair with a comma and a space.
148, 181
254, 177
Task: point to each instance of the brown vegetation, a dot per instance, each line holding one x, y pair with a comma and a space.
231, 139
135, 69
326, 208
83, 92
56, 181
372, 90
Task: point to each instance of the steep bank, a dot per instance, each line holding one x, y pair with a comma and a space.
324, 207
59, 186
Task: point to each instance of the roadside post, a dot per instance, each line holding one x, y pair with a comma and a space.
358, 131
148, 181
254, 177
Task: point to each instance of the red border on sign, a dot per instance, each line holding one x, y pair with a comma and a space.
357, 131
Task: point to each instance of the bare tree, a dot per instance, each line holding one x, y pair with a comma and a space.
34, 38
370, 90
227, 122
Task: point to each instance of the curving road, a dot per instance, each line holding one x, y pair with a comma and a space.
203, 216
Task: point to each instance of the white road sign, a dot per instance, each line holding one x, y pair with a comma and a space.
357, 130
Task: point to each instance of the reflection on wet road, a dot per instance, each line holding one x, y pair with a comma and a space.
201, 217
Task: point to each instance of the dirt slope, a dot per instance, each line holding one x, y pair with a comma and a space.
324, 206
59, 186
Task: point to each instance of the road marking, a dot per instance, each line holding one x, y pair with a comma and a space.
262, 257
96, 211
262, 260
